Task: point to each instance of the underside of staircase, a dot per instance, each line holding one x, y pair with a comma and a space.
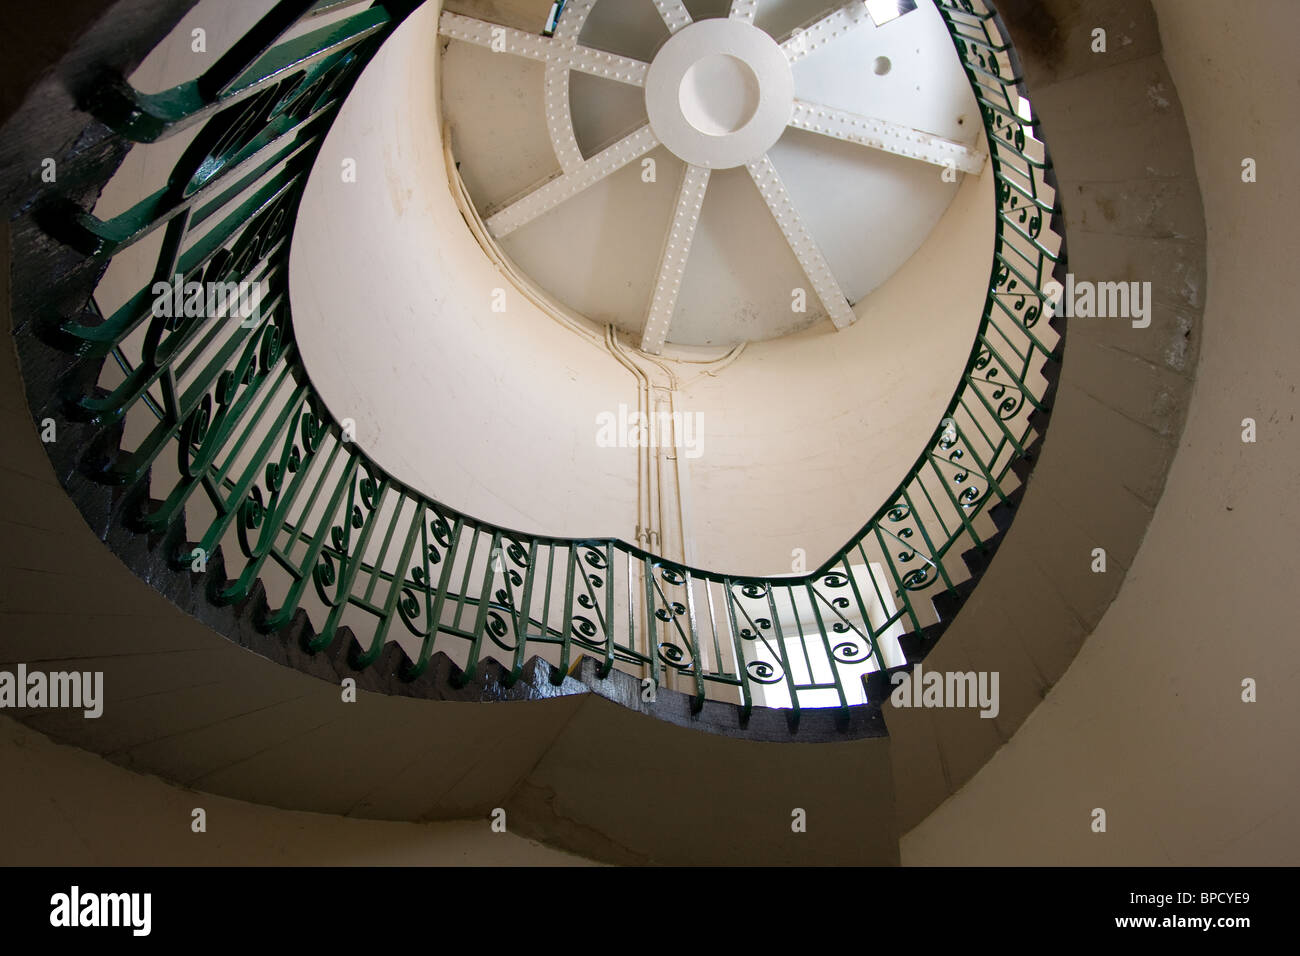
203, 696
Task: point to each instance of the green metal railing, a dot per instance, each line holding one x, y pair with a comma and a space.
232, 440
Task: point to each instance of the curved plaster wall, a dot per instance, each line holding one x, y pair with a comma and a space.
1149, 722
807, 436
495, 412
135, 818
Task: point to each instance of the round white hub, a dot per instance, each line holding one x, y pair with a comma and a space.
719, 93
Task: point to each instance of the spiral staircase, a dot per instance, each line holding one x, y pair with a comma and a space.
628, 689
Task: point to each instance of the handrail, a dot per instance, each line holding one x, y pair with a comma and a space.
264, 475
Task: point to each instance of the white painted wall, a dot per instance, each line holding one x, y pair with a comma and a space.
805, 437
490, 412
494, 413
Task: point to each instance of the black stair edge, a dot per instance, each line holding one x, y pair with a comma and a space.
978, 559
948, 602
1004, 512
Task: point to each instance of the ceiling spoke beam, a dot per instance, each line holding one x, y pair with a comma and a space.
559, 116
743, 10
561, 52
567, 185
573, 19
801, 241
675, 14
813, 36
672, 263
886, 136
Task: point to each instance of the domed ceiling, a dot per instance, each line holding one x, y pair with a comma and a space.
707, 173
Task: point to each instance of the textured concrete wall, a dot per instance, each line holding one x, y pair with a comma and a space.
1132, 212
1149, 722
